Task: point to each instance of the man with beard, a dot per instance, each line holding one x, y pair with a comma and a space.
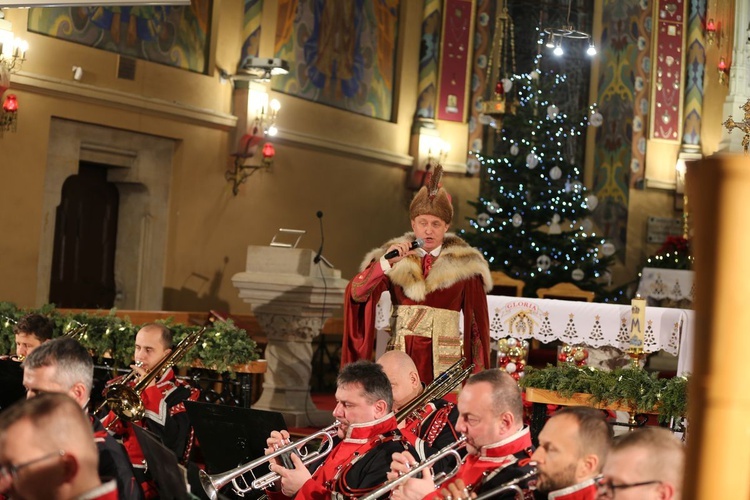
573, 446
366, 438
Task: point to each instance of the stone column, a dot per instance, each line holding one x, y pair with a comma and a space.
286, 387
292, 296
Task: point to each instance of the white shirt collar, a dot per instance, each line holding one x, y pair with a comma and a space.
435, 252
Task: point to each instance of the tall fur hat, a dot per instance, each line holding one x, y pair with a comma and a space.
432, 199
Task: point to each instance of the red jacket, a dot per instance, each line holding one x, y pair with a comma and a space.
356, 465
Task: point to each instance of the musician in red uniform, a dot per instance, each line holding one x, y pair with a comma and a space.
573, 446
499, 446
47, 451
63, 365
429, 288
429, 428
163, 400
366, 438
646, 464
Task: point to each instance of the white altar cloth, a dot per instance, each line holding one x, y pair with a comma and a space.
674, 284
574, 322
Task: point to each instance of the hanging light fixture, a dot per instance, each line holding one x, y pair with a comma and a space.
556, 36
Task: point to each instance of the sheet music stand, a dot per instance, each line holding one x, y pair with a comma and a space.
284, 237
230, 435
170, 478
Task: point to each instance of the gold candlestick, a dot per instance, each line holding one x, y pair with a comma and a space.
744, 125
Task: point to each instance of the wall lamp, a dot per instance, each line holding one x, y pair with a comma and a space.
256, 116
261, 114
430, 151
723, 69
710, 31
12, 55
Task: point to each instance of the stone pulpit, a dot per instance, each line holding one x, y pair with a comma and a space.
291, 297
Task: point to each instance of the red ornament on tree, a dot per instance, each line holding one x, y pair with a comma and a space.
499, 88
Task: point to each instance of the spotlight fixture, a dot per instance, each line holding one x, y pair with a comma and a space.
556, 35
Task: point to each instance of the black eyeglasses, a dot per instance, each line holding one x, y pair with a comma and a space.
12, 470
605, 488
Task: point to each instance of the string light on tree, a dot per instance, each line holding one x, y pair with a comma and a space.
536, 209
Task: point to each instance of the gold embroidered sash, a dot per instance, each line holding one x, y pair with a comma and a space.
441, 325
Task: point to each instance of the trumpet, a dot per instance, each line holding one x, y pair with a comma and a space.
512, 485
213, 483
450, 450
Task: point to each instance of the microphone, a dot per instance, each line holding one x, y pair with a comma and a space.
418, 243
318, 256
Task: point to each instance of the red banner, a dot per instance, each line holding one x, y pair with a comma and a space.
454, 59
668, 75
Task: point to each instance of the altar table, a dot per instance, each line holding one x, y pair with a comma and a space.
573, 322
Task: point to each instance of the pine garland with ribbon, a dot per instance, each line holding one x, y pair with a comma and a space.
638, 389
221, 347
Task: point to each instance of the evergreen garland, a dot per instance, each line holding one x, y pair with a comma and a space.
638, 389
222, 346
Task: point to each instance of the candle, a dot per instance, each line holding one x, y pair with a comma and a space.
637, 322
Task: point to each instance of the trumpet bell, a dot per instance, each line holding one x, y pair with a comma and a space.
125, 402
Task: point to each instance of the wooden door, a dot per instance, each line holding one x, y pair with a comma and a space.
83, 260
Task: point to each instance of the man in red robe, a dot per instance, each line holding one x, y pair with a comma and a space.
429, 288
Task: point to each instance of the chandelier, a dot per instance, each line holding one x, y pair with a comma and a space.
556, 35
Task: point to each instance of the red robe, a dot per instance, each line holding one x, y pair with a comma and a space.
457, 281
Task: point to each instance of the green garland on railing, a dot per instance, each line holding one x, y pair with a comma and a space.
635, 388
221, 347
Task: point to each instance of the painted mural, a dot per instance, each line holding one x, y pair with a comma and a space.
341, 53
623, 101
175, 36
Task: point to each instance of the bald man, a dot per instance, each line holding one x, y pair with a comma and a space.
431, 427
646, 464
47, 451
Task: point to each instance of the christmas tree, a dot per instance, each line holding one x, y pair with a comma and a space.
532, 217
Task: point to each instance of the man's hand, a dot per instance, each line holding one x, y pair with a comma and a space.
456, 490
292, 480
404, 249
277, 439
414, 488
140, 372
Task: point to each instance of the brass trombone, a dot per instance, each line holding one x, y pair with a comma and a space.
125, 401
213, 483
512, 485
442, 385
447, 451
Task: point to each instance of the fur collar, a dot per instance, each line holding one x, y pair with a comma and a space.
457, 262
